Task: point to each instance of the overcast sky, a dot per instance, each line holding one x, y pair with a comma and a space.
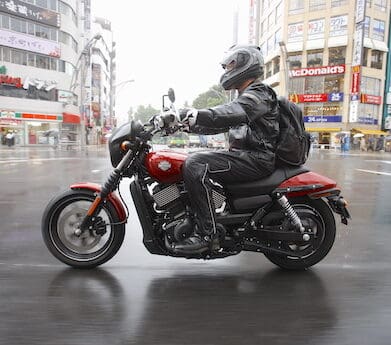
170, 43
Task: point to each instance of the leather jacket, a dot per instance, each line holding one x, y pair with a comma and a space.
251, 121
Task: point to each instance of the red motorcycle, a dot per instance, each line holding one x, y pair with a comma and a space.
287, 216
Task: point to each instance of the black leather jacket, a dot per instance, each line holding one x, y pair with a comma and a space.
251, 120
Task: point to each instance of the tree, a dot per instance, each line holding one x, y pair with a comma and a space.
145, 113
214, 96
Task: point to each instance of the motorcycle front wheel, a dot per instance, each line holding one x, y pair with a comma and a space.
93, 247
317, 216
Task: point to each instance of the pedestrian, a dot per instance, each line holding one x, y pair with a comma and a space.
10, 139
363, 144
380, 143
252, 122
371, 143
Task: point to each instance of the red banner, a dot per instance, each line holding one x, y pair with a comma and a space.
355, 80
308, 98
370, 99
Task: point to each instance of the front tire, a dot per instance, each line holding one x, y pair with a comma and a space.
60, 224
319, 213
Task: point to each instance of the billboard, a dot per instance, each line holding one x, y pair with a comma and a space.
31, 43
31, 12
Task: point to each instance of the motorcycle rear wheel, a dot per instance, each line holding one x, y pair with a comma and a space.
60, 224
325, 227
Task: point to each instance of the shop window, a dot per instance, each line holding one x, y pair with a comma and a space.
296, 85
31, 59
314, 85
339, 25
371, 86
337, 56
276, 65
333, 84
377, 59
315, 58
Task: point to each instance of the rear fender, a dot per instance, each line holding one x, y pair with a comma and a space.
113, 198
308, 183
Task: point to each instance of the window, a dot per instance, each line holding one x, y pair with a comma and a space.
16, 24
377, 59
277, 39
314, 85
42, 62
333, 84
42, 31
316, 29
31, 59
5, 22
370, 86
338, 3
317, 5
378, 29
337, 56
295, 32
278, 12
380, 5
295, 61
6, 54
276, 65
367, 25
18, 57
296, 6
365, 57
315, 58
67, 10
42, 3
339, 25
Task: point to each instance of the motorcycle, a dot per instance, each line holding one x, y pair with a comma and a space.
287, 216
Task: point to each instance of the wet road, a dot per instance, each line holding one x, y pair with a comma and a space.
138, 298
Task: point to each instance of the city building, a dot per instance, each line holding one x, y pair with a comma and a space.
329, 56
56, 72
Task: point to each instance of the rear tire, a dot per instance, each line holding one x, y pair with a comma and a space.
326, 231
61, 221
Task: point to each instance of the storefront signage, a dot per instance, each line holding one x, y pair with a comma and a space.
3, 70
7, 80
10, 114
39, 84
315, 29
31, 12
323, 118
30, 43
295, 32
65, 96
317, 97
355, 80
370, 99
316, 71
367, 120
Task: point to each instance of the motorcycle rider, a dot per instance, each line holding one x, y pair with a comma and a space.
252, 122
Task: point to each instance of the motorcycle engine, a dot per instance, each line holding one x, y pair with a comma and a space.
168, 200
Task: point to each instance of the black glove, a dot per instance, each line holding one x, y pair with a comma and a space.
188, 118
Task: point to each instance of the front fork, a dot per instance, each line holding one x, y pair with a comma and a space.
109, 186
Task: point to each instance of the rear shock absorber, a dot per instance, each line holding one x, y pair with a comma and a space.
290, 212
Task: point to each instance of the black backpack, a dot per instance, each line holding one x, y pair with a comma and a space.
294, 142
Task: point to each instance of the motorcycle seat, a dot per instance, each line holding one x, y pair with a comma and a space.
265, 185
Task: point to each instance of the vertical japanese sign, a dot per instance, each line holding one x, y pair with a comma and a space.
357, 61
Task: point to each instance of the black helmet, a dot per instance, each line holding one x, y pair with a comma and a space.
242, 62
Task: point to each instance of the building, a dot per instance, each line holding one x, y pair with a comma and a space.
39, 48
329, 56
51, 58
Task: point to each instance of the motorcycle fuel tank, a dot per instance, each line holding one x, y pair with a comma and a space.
165, 166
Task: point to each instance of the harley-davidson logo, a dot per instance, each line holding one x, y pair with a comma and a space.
164, 165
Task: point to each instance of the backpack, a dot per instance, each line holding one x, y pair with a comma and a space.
294, 142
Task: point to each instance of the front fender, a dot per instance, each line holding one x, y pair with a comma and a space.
113, 198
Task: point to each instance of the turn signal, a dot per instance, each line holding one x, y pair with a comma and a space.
125, 145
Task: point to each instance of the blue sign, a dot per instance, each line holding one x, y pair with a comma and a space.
367, 120
323, 119
335, 97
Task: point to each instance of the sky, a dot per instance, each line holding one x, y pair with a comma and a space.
169, 43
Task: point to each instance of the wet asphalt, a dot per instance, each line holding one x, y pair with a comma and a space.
139, 298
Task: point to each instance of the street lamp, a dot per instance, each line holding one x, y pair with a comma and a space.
81, 64
284, 56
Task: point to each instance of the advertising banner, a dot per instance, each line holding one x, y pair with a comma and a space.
370, 99
355, 80
31, 12
315, 29
317, 97
295, 32
30, 43
323, 118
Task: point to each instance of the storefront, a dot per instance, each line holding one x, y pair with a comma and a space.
325, 138
30, 129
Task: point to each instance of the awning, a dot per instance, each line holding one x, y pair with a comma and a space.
369, 131
70, 118
322, 129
